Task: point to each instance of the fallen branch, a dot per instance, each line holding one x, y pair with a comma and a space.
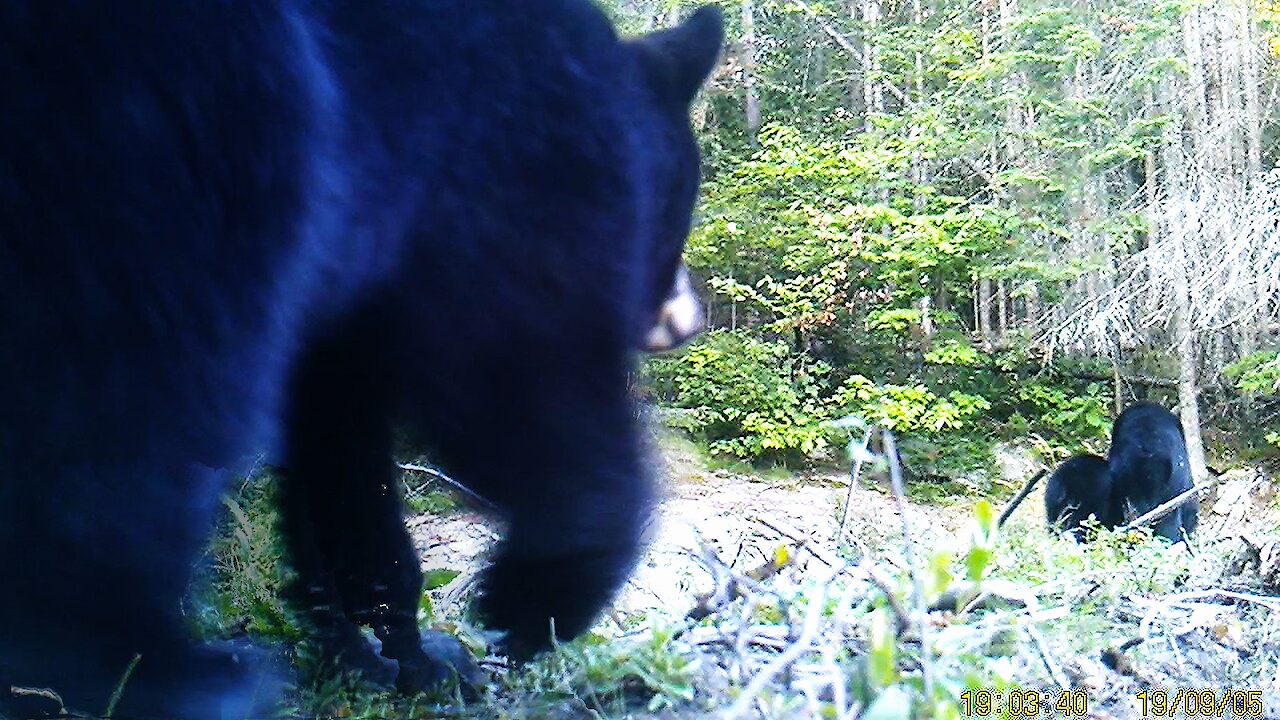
1022, 495
1046, 657
1159, 511
448, 481
803, 644
728, 585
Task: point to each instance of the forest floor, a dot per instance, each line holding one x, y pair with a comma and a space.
1114, 618
742, 517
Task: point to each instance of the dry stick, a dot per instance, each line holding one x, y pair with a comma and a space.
853, 482
803, 643
46, 693
900, 615
1022, 495
1170, 505
119, 689
921, 612
1159, 608
448, 481
797, 539
1043, 649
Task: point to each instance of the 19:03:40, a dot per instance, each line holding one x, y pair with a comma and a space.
1015, 703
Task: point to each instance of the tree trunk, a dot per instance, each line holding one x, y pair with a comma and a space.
918, 173
1032, 303
1188, 388
984, 311
749, 69
857, 82
1252, 80
872, 88
1002, 303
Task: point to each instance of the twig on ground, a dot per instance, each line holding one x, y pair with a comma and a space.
877, 577
1050, 664
728, 585
1185, 601
803, 643
799, 540
722, 583
46, 693
448, 481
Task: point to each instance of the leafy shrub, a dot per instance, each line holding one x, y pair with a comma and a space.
1257, 373
1070, 417
745, 396
937, 432
239, 590
907, 408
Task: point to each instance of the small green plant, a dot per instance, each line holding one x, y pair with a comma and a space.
238, 590
891, 680
612, 675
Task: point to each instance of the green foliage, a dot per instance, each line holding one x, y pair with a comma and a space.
1071, 418
238, 591
907, 408
746, 399
431, 499
1257, 373
611, 676
953, 352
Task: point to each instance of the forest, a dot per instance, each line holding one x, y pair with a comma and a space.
941, 246
954, 219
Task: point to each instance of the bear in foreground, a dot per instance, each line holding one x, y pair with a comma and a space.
1149, 466
286, 228
1080, 487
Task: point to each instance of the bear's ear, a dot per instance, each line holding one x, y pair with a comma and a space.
678, 60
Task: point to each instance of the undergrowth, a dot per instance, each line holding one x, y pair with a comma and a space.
818, 632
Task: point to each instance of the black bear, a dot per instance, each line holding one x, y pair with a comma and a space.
1149, 466
1078, 488
231, 229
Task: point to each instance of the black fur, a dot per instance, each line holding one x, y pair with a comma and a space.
1148, 464
1080, 487
458, 217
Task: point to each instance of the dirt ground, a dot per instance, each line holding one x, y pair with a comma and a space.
742, 517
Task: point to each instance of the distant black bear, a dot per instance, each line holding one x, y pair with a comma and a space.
227, 228
1078, 488
1148, 465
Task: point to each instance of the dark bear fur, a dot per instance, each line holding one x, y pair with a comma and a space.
1149, 466
1080, 487
228, 228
